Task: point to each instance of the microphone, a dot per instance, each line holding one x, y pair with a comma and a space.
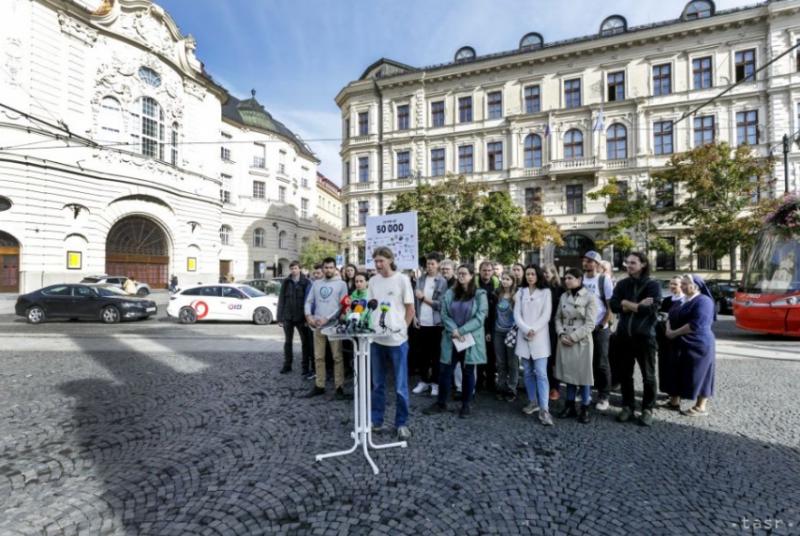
366, 318
384, 309
354, 316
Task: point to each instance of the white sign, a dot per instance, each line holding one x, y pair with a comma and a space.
398, 232
339, 260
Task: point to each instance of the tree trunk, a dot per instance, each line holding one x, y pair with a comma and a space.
733, 263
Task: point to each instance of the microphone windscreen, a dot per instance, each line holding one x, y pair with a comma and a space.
372, 305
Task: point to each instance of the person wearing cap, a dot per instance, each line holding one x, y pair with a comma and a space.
599, 285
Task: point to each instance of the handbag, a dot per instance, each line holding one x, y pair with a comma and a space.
511, 337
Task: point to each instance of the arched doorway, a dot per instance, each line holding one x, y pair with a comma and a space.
138, 247
9, 263
570, 255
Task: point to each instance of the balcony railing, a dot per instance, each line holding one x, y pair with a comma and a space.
358, 187
618, 163
533, 172
574, 164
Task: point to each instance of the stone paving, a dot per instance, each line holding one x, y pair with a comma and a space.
123, 442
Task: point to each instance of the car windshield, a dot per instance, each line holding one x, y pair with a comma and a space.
252, 292
774, 266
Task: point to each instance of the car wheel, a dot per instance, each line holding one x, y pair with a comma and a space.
262, 316
109, 315
187, 315
142, 292
35, 315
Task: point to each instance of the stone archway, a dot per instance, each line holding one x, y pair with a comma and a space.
570, 255
9, 263
138, 247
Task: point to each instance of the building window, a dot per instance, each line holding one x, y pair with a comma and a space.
533, 151
572, 93
225, 190
616, 86
363, 212
574, 199
259, 190
304, 208
363, 169
282, 194
259, 156
347, 215
173, 145
437, 162
701, 70
533, 200
665, 260
494, 106
225, 235
494, 153
282, 238
662, 79
747, 127
465, 159
110, 120
224, 196
698, 9
258, 238
465, 109
150, 133
347, 172
613, 25
403, 120
363, 123
225, 154
706, 261
403, 164
149, 76
533, 99
617, 142
745, 61
573, 144
665, 196
703, 130
662, 137
304, 182
437, 114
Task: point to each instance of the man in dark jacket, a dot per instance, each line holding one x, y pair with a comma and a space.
488, 282
637, 299
291, 315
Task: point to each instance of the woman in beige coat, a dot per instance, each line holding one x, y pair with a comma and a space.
575, 321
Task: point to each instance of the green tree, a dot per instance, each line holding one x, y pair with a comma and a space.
535, 231
314, 251
717, 196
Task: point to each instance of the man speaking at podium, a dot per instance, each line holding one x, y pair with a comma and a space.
392, 290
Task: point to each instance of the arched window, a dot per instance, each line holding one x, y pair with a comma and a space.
173, 144
573, 144
613, 25
282, 240
533, 151
465, 54
617, 142
110, 120
225, 235
258, 238
698, 9
531, 41
148, 127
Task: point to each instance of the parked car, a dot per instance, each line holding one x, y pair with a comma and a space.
723, 291
118, 281
267, 286
90, 302
224, 301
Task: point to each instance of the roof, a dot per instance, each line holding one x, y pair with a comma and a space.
251, 113
399, 69
327, 183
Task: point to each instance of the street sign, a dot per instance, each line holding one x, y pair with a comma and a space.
339, 260
398, 232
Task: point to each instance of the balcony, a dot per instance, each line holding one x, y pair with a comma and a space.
620, 163
405, 183
588, 163
534, 172
358, 187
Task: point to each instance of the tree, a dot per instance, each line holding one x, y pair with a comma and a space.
535, 231
314, 251
718, 196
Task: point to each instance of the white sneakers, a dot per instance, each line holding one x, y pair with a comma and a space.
435, 389
421, 388
602, 404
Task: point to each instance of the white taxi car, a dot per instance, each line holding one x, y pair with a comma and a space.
222, 302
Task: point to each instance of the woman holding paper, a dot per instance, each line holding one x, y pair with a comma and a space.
463, 310
532, 310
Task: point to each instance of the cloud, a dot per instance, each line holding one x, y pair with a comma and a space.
321, 125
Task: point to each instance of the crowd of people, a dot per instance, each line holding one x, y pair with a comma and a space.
576, 336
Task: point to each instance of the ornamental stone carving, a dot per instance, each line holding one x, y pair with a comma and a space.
77, 29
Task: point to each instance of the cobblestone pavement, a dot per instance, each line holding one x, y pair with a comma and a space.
149, 428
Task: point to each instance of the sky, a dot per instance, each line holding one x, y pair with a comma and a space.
298, 54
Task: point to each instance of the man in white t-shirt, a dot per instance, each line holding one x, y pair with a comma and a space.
600, 285
392, 290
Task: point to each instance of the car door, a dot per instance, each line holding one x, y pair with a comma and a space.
233, 304
85, 302
56, 300
208, 304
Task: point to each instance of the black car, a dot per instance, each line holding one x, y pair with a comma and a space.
89, 302
723, 291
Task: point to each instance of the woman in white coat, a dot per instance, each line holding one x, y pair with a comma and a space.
532, 309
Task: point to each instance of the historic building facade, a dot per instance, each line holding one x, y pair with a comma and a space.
551, 122
113, 142
329, 211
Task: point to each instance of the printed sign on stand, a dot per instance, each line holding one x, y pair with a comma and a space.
398, 232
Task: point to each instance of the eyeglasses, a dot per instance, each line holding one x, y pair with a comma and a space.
463, 274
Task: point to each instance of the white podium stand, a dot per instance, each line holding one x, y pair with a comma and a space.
362, 398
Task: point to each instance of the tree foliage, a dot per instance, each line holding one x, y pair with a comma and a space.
536, 232
314, 251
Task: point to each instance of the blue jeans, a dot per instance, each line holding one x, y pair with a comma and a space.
379, 355
536, 383
586, 393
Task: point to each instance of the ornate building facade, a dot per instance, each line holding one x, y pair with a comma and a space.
552, 122
113, 142
329, 211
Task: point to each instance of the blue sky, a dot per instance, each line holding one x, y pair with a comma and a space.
298, 54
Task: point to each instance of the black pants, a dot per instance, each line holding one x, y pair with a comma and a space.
306, 343
428, 348
641, 350
600, 364
446, 378
487, 373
